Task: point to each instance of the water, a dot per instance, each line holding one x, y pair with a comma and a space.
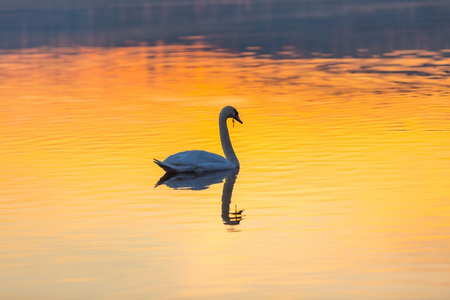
344, 158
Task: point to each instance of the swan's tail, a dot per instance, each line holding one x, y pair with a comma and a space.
166, 167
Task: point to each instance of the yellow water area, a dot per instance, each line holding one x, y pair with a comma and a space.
344, 175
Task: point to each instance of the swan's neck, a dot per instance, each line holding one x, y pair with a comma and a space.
226, 142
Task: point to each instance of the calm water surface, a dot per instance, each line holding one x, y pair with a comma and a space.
344, 176
343, 182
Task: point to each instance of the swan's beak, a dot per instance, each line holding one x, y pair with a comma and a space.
238, 119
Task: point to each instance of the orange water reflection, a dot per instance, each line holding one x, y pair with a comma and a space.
344, 175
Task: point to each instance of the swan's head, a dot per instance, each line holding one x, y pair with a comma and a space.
231, 112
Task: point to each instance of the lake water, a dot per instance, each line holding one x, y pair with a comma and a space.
343, 190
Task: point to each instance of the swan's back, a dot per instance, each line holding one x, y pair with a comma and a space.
194, 161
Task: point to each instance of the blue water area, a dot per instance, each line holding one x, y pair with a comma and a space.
333, 28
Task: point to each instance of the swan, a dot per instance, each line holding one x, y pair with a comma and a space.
201, 161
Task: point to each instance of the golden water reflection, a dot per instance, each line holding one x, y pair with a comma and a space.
344, 175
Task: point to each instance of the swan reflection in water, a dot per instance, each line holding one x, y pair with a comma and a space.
201, 181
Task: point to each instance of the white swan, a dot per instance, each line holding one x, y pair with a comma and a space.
202, 161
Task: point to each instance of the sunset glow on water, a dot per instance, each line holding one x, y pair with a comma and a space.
343, 180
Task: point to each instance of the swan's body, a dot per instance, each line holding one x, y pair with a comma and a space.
202, 161
194, 161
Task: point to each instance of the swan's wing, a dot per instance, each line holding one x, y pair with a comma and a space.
194, 161
170, 168
193, 157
